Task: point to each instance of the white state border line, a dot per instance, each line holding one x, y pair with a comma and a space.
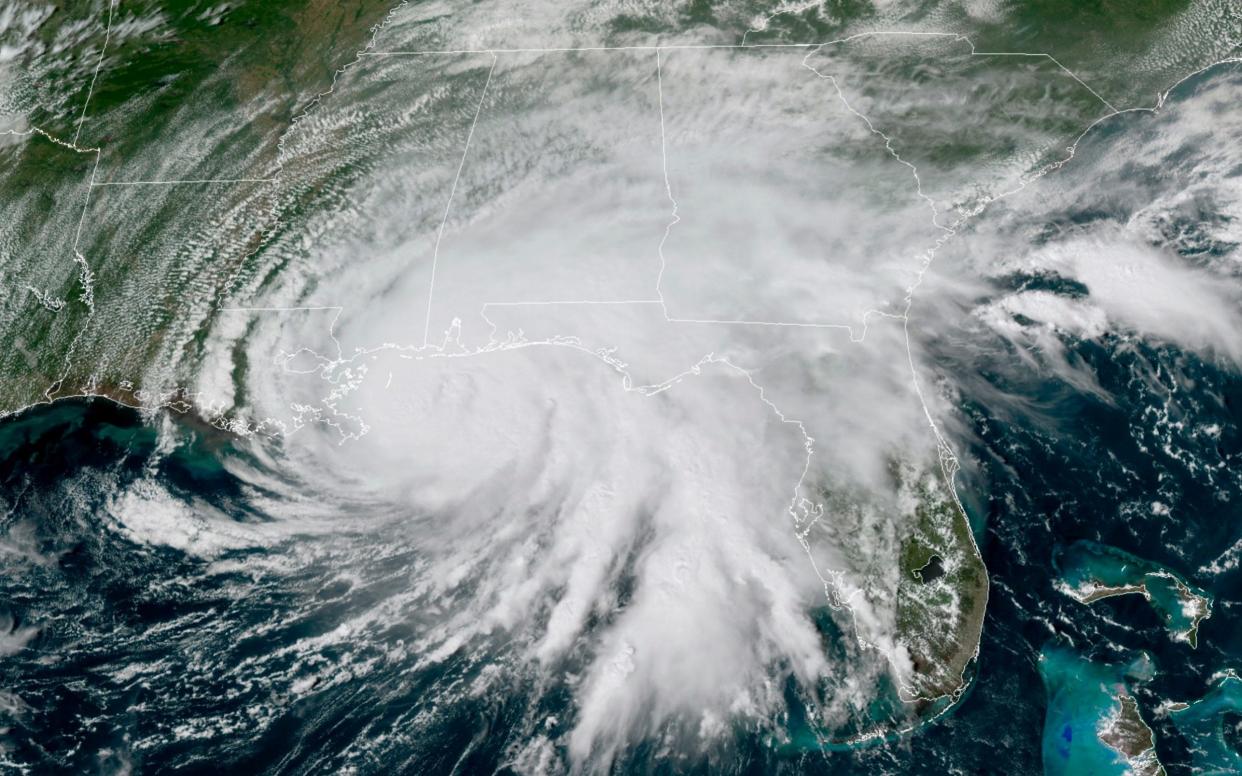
550, 302
340, 353
668, 46
657, 47
668, 319
103, 50
675, 216
85, 276
635, 47
857, 331
448, 206
653, 47
948, 461
803, 511
49, 137
183, 180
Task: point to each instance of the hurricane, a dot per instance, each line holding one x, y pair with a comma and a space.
620, 387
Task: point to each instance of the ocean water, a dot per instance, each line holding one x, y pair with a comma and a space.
135, 650
173, 601
1211, 725
1091, 474
1081, 695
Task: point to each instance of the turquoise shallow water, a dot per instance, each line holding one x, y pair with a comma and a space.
1203, 722
1086, 564
105, 604
1081, 695
143, 655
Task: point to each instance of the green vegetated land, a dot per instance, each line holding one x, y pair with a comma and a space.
1127, 50
942, 594
910, 547
185, 91
106, 283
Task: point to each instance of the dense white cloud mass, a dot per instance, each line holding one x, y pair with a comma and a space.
575, 387
634, 494
1157, 255
1131, 286
621, 340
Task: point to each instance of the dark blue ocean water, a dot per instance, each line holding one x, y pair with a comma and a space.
1090, 469
1083, 468
123, 653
